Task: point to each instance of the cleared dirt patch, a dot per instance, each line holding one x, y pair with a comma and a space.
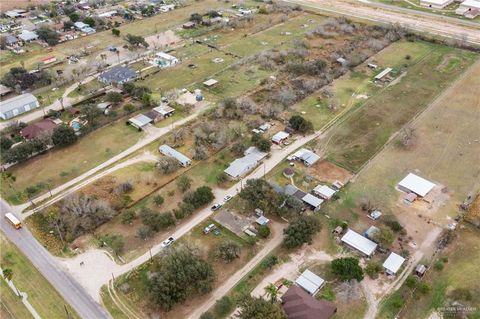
326, 171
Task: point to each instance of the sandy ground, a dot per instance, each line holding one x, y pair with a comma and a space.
162, 39
326, 171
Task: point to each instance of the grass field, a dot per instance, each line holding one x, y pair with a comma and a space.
459, 273
11, 307
368, 128
43, 297
60, 165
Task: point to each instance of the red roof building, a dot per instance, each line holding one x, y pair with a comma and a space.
37, 129
298, 304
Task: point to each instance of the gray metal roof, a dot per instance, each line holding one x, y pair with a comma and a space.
28, 35
17, 102
242, 165
309, 281
312, 200
10, 39
118, 74
359, 242
168, 151
140, 120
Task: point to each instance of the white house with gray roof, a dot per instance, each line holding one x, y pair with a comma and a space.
118, 74
241, 166
139, 121
168, 151
18, 105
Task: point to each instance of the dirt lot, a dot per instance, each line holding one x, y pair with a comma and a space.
328, 172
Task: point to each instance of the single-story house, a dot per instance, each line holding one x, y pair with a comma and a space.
167, 7
310, 282
154, 116
262, 220
164, 60
108, 14
382, 74
168, 151
416, 184
468, 6
118, 74
312, 201
27, 36
83, 27
139, 121
359, 242
265, 127
4, 90
16, 13
292, 190
241, 166
37, 129
210, 83
437, 4
308, 157
393, 263
280, 137
324, 191
10, 39
164, 110
18, 105
298, 304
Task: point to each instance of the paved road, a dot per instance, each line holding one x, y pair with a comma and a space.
69, 289
410, 19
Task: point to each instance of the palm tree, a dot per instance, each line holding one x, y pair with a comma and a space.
8, 274
272, 291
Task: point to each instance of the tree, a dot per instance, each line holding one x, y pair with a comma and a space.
207, 315
300, 124
300, 231
158, 200
155, 220
5, 143
136, 40
258, 308
272, 291
372, 269
63, 135
384, 236
201, 196
260, 194
115, 242
128, 108
411, 282
114, 97
239, 148
223, 306
227, 251
128, 216
263, 231
144, 232
167, 165
347, 268
48, 35
67, 25
184, 183
90, 21
116, 32
263, 144
197, 18
180, 274
74, 17
8, 274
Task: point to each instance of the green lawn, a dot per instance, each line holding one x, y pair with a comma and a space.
367, 129
43, 297
60, 165
11, 306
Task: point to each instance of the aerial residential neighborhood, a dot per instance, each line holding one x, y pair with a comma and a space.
295, 159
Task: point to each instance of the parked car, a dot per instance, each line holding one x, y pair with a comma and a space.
209, 229
227, 198
167, 242
216, 206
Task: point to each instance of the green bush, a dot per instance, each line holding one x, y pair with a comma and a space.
263, 231
373, 269
223, 306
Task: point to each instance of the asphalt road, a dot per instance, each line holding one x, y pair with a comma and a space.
68, 288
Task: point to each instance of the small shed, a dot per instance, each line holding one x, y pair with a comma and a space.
310, 282
382, 74
210, 83
324, 191
376, 214
189, 25
312, 201
370, 232
262, 220
393, 263
420, 270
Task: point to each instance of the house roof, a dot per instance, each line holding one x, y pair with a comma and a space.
165, 56
309, 281
371, 230
437, 2
383, 73
4, 89
210, 82
118, 74
242, 165
80, 25
393, 263
312, 200
262, 220
278, 137
471, 3
17, 102
308, 156
324, 191
140, 120
37, 129
151, 114
416, 184
10, 39
290, 189
163, 109
359, 242
28, 35
168, 151
298, 304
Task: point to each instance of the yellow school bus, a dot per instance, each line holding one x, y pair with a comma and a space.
13, 220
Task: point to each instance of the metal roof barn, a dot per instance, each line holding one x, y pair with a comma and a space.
360, 243
416, 184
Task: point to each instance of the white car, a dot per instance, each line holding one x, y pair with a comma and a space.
167, 242
227, 198
216, 207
